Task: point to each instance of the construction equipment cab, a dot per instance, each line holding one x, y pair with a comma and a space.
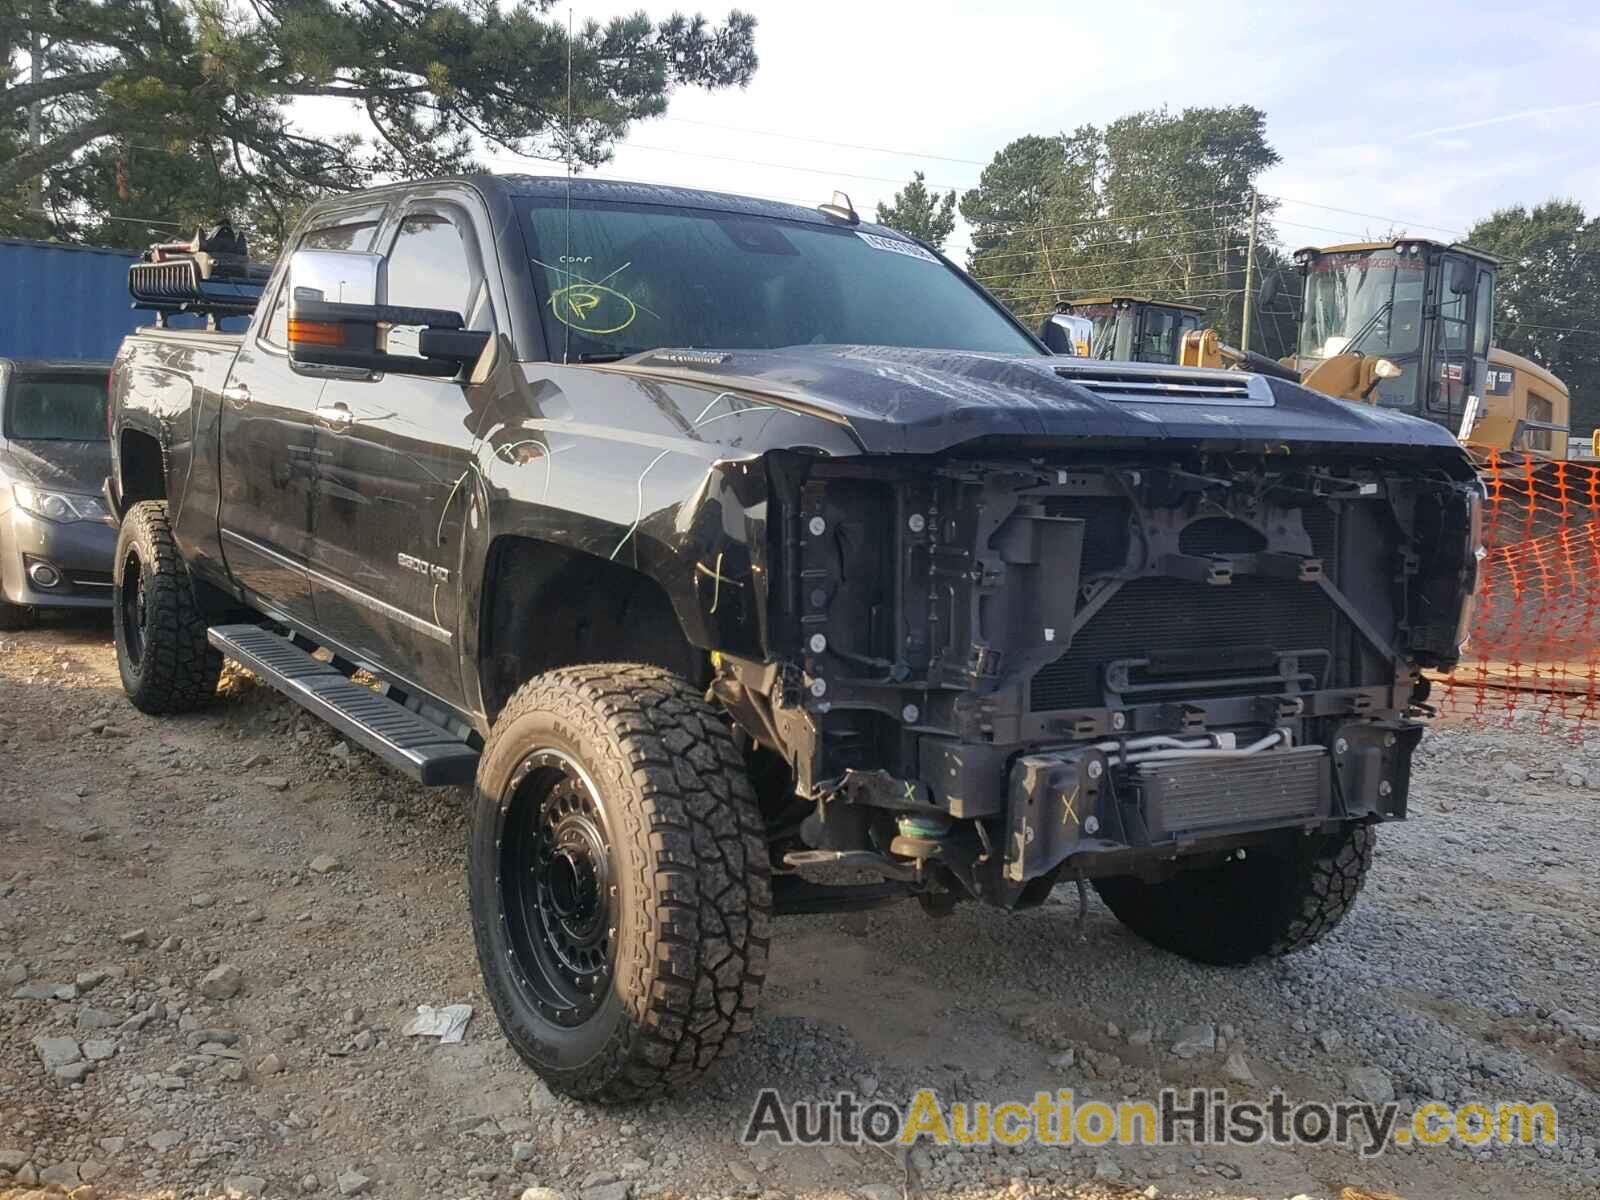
1129, 328
1423, 307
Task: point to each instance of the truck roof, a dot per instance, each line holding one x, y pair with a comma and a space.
629, 192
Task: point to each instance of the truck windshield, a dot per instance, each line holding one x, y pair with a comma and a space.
56, 408
1373, 295
619, 279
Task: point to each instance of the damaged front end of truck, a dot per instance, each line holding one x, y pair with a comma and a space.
1023, 661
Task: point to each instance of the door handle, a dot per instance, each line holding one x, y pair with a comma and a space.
336, 417
236, 394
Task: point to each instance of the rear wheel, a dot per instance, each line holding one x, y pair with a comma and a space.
167, 666
1277, 899
619, 881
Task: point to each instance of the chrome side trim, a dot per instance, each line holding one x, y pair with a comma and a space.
398, 615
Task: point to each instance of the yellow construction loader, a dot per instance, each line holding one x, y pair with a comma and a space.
1406, 324
1128, 328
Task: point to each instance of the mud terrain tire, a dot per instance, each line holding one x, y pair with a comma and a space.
167, 666
617, 787
1277, 900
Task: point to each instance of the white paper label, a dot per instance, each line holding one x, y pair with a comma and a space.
896, 246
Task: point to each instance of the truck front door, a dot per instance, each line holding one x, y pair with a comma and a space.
399, 475
270, 453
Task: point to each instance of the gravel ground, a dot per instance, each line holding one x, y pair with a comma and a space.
232, 917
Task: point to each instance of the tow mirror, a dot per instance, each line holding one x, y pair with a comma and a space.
1269, 289
1462, 277
335, 320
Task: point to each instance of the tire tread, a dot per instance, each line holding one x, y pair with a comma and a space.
692, 837
179, 669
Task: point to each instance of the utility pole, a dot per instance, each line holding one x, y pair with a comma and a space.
1250, 272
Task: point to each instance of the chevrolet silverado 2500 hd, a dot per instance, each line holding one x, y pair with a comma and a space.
750, 559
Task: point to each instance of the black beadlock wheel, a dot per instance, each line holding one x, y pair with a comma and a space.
1277, 899
558, 885
166, 664
619, 881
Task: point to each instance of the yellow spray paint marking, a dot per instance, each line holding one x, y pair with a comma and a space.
1067, 803
593, 308
717, 575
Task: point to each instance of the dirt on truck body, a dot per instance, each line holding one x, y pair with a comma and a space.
724, 544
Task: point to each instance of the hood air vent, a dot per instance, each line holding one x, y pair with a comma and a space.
1168, 385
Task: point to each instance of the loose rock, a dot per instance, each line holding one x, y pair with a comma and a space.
222, 983
56, 1052
1195, 1040
1371, 1084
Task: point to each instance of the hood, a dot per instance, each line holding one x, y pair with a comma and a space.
62, 466
898, 400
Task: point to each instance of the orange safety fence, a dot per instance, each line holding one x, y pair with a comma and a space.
1534, 648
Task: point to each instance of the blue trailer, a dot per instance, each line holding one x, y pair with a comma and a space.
59, 301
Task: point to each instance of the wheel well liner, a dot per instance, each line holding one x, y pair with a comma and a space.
547, 606
141, 474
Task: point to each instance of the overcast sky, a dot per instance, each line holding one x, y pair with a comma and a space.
1422, 113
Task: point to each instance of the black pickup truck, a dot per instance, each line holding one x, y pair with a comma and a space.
750, 559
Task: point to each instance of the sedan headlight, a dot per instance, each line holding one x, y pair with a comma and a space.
58, 506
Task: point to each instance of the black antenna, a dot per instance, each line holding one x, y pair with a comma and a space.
566, 257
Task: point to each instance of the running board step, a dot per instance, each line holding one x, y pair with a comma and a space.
393, 732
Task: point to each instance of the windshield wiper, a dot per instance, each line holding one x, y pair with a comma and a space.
1368, 326
606, 357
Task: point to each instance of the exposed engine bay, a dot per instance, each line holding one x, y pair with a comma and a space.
1003, 673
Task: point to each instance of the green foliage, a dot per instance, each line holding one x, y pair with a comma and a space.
921, 213
178, 110
1548, 287
1153, 204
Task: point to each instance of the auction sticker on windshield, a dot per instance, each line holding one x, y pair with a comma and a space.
896, 246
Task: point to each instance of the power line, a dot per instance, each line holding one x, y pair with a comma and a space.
751, 162
794, 137
108, 217
1347, 233
1350, 212
986, 259
1164, 212
1097, 266
1140, 283
1549, 328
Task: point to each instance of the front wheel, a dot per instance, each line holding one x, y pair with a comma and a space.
167, 666
619, 881
1277, 899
